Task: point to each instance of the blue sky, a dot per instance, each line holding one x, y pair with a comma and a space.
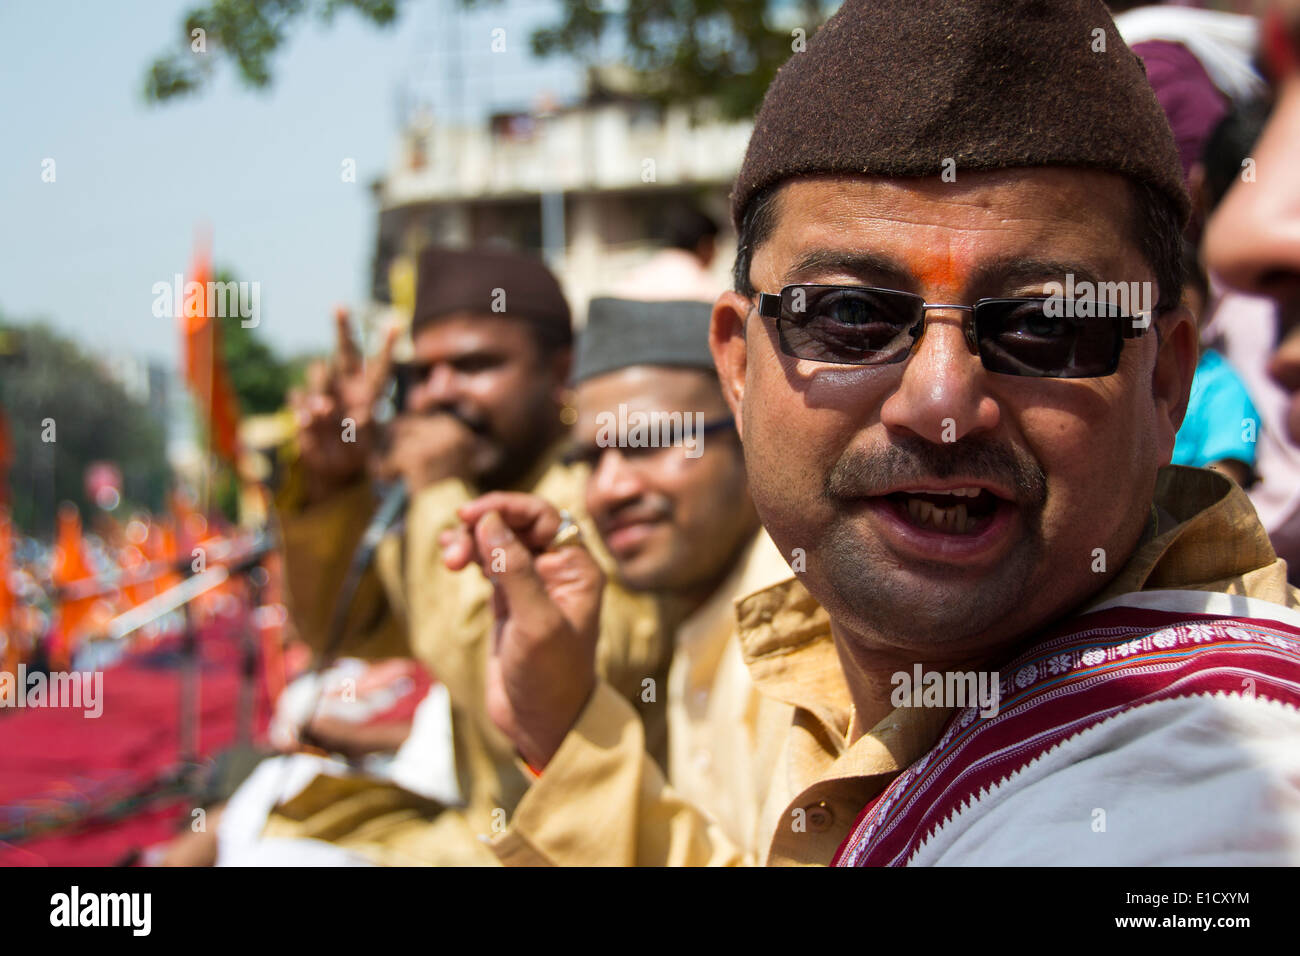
261, 169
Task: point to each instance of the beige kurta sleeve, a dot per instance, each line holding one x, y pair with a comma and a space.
451, 628
319, 541
603, 802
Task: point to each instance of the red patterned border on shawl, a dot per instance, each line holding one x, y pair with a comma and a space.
1099, 665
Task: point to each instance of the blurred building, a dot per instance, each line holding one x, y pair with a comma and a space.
588, 186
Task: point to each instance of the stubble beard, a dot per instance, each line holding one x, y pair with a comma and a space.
921, 605
909, 603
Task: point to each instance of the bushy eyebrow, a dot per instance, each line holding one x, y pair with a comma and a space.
1014, 270
869, 266
987, 277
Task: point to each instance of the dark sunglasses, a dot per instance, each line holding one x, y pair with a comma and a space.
1041, 337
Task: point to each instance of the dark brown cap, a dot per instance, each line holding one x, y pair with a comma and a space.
490, 282
896, 88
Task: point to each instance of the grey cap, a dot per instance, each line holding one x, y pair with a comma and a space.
624, 332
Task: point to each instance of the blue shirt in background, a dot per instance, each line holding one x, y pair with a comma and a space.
1221, 418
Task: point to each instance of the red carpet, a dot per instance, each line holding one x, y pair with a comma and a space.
54, 760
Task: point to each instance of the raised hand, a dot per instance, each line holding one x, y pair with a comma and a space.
336, 411
546, 602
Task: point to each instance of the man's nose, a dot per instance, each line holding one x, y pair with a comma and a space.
438, 390
942, 396
612, 482
1253, 239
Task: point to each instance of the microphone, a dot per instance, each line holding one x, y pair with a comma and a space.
392, 508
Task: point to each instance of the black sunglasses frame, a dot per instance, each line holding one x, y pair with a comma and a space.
771, 305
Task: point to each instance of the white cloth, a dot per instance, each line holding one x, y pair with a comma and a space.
1193, 781
239, 832
321, 694
424, 764
1198, 780
426, 761
1224, 43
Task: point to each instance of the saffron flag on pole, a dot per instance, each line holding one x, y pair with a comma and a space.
73, 577
205, 369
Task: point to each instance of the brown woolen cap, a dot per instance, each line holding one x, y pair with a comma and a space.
490, 282
895, 87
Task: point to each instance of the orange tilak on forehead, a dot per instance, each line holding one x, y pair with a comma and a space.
938, 274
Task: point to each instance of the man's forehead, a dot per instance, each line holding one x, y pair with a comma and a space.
647, 388
1008, 225
468, 332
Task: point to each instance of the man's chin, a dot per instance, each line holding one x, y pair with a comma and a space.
645, 576
927, 603
492, 469
649, 566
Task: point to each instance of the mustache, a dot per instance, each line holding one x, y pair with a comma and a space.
639, 509
910, 461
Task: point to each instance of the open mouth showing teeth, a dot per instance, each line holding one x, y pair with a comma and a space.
956, 511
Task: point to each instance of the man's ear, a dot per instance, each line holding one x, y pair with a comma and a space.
727, 342
1171, 381
560, 363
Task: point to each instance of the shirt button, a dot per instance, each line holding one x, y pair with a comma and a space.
703, 761
820, 817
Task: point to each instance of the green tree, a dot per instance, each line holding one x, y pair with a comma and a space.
719, 51
258, 377
64, 412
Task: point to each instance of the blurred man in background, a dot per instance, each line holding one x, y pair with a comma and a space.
481, 406
1221, 427
678, 521
1252, 244
682, 269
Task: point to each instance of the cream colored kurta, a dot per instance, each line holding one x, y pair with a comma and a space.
601, 801
410, 603
720, 729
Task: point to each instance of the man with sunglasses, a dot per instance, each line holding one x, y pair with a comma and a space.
973, 468
479, 407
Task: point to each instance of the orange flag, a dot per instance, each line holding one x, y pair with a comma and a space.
205, 369
70, 567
